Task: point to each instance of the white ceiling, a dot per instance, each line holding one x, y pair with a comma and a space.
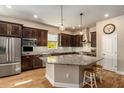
50, 14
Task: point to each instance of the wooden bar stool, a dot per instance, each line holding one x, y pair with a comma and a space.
99, 71
89, 78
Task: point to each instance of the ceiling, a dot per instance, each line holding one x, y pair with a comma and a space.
50, 14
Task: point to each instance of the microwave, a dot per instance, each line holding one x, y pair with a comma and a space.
29, 42
27, 49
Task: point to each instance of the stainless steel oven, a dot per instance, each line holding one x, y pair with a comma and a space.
29, 42
27, 48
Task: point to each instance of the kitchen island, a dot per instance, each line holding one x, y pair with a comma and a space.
67, 70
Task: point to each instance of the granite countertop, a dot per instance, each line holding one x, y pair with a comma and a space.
71, 59
44, 53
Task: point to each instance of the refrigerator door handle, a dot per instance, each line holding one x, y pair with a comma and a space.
7, 49
13, 49
10, 52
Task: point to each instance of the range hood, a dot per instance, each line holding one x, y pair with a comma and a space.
86, 35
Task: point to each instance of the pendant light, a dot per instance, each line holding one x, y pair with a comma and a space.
62, 23
81, 32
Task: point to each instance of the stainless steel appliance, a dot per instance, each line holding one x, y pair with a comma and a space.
27, 49
10, 56
29, 41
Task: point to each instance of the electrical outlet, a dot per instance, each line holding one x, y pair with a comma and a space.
67, 75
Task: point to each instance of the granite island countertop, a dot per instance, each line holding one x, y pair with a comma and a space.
74, 59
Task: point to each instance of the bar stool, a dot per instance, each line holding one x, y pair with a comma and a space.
89, 78
99, 71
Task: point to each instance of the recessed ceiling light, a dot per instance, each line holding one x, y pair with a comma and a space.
73, 27
35, 16
79, 25
106, 15
8, 6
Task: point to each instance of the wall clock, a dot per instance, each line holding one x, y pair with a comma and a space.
109, 28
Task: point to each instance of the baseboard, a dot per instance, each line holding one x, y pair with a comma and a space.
64, 85
120, 72
49, 79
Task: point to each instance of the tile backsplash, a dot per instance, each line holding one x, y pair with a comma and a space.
63, 49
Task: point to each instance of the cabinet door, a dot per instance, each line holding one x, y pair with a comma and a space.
15, 30
27, 32
3, 28
93, 39
44, 38
39, 38
26, 63
37, 63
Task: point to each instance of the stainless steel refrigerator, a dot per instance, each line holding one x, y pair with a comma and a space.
10, 56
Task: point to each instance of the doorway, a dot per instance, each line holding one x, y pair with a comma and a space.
109, 51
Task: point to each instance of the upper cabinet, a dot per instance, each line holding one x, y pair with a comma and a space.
93, 39
67, 40
10, 29
39, 34
76, 41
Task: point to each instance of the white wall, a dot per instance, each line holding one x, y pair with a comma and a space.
119, 23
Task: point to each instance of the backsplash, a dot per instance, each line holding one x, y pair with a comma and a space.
63, 49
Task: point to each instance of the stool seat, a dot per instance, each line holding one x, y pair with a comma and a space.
98, 66
89, 70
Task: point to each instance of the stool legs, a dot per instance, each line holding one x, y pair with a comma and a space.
94, 77
84, 78
89, 79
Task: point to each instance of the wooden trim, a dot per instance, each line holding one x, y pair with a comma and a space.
35, 28
10, 22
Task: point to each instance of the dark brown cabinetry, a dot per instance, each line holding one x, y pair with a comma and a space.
40, 35
26, 63
37, 63
77, 41
93, 39
70, 40
65, 40
10, 29
30, 62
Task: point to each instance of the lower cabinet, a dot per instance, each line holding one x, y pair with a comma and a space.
30, 62
26, 63
37, 63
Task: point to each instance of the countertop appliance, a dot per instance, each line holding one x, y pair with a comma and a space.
29, 42
10, 56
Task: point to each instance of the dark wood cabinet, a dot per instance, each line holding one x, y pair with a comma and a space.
70, 40
65, 40
3, 28
37, 63
93, 39
30, 62
26, 63
15, 30
10, 29
29, 32
39, 34
77, 40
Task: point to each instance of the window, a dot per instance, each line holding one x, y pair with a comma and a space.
52, 41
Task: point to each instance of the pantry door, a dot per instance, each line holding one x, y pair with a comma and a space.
109, 51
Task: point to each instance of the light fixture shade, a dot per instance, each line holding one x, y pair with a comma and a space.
81, 33
61, 28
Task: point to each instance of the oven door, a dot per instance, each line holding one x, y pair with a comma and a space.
27, 49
